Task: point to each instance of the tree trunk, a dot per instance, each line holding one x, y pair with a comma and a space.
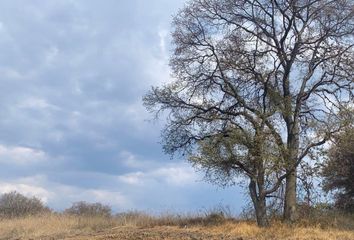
261, 213
259, 204
290, 198
290, 188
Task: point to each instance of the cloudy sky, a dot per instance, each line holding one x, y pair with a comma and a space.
72, 124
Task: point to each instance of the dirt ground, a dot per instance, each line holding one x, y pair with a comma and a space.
156, 233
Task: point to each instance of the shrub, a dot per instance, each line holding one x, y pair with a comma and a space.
14, 204
89, 209
217, 215
338, 170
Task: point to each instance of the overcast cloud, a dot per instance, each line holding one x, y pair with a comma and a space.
72, 124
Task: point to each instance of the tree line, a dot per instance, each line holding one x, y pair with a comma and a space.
15, 205
259, 88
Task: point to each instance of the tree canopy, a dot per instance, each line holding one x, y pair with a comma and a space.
269, 73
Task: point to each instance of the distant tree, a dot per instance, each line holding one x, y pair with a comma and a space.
14, 204
89, 209
338, 170
270, 75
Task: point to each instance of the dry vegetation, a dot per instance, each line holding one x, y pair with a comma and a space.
28, 218
135, 225
51, 226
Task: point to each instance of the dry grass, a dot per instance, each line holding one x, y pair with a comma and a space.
51, 225
247, 230
141, 219
60, 226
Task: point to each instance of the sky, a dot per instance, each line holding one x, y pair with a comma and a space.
72, 125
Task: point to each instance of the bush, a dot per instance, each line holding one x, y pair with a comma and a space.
338, 170
324, 215
14, 204
89, 209
217, 215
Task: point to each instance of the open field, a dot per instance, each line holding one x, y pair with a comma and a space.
135, 227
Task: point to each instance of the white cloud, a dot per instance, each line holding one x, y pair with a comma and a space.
37, 103
21, 155
27, 190
156, 68
129, 159
108, 197
51, 55
171, 175
11, 73
179, 176
135, 178
72, 91
113, 198
60, 195
163, 34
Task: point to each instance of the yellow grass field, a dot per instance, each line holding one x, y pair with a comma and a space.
58, 226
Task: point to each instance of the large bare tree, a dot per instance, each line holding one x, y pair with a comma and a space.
276, 71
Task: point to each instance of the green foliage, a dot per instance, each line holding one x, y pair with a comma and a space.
226, 157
